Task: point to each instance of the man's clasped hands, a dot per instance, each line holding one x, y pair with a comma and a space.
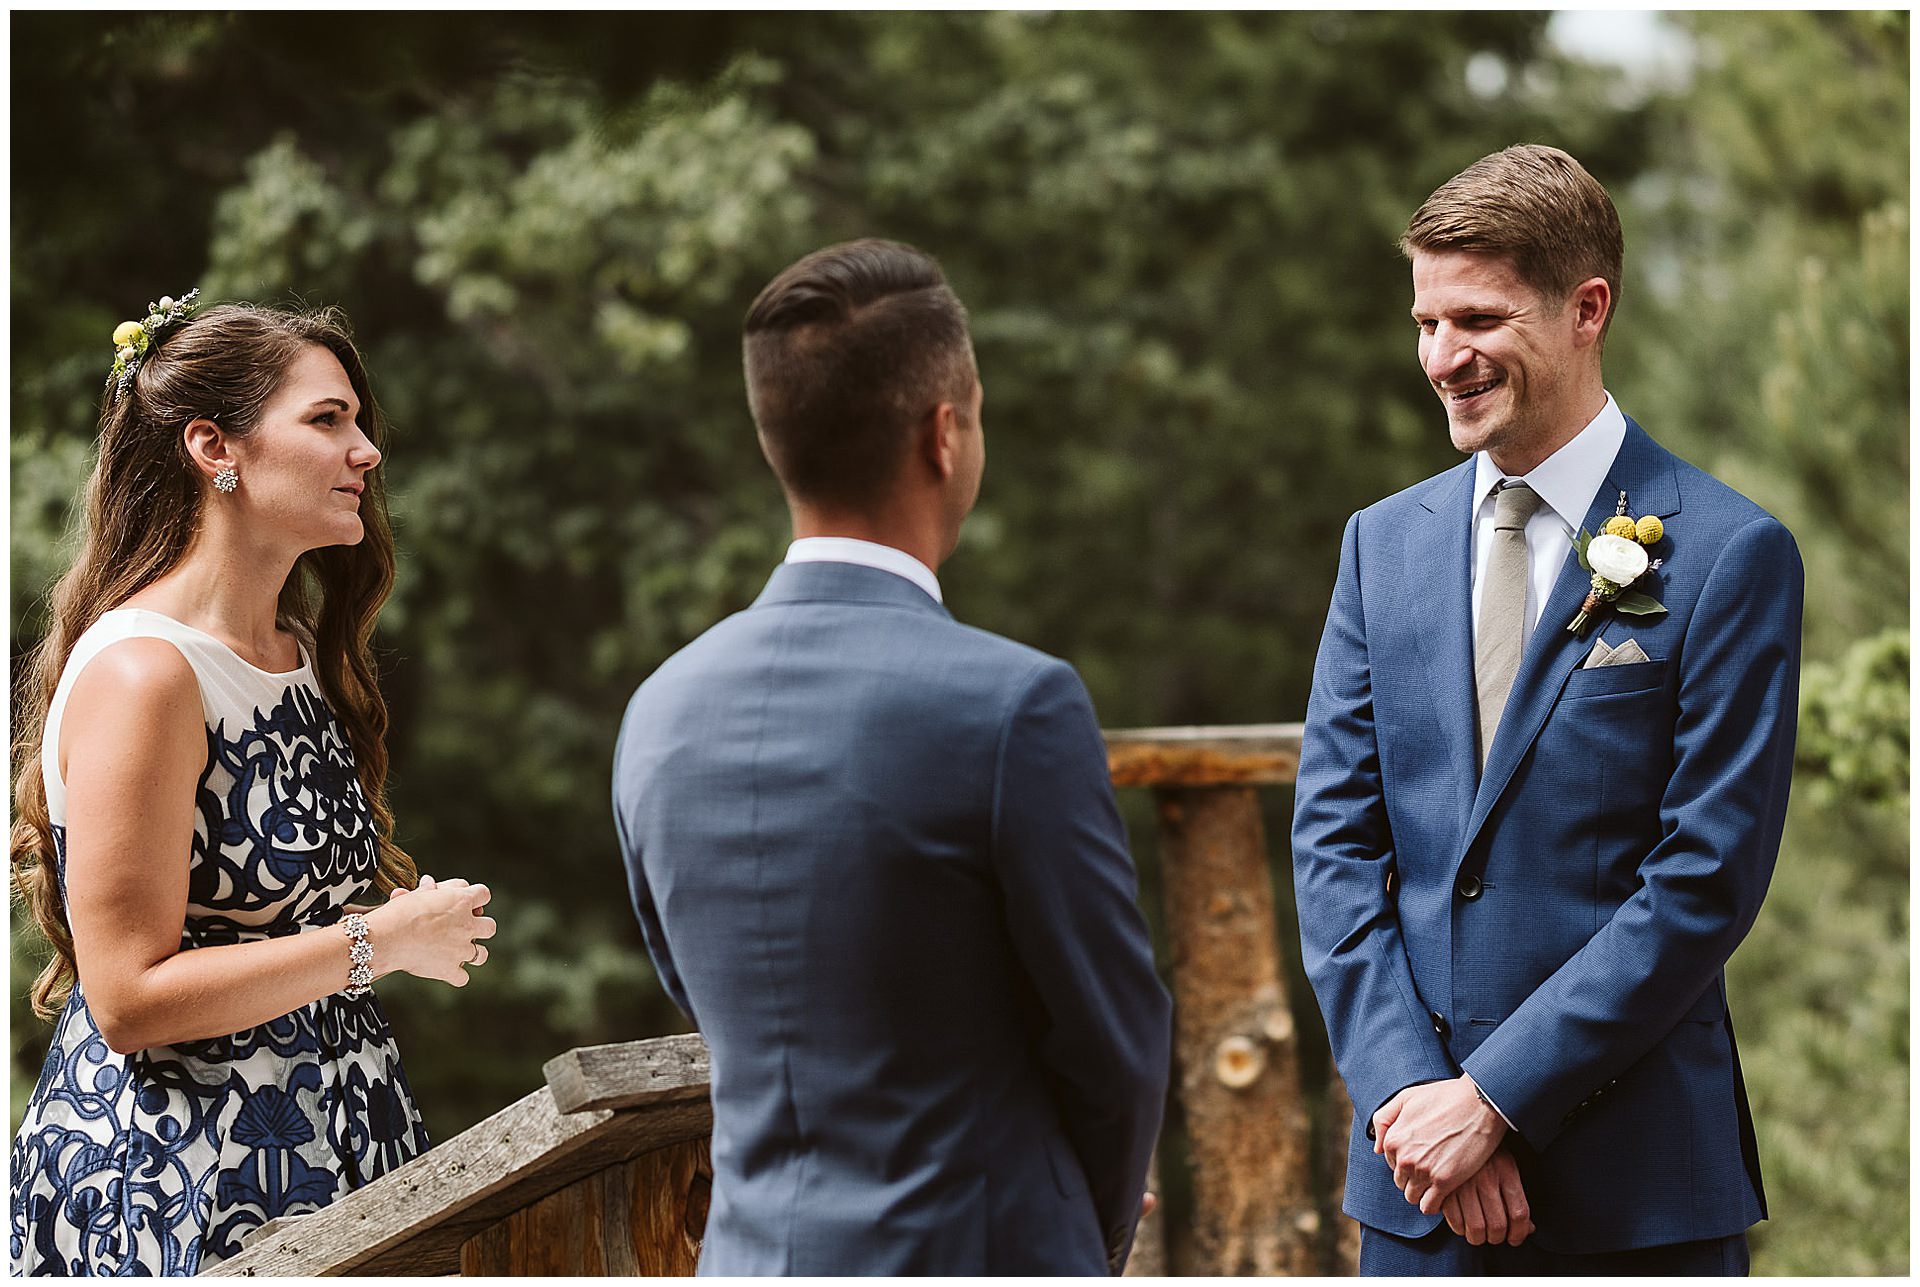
1443, 1142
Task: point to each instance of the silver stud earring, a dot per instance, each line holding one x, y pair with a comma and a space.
227, 480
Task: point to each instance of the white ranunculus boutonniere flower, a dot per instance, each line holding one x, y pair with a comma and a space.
1617, 559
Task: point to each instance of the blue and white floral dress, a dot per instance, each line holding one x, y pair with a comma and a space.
161, 1161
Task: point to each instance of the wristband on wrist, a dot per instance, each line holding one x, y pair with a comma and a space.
359, 955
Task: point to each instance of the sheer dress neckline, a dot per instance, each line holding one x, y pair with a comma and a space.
306, 662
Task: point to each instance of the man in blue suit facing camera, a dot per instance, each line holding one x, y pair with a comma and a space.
875, 853
1543, 783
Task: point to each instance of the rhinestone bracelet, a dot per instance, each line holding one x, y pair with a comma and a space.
360, 953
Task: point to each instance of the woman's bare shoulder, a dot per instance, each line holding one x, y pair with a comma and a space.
142, 682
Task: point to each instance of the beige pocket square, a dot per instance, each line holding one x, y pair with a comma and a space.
1620, 655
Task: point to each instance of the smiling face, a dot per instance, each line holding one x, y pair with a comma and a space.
1518, 373
304, 466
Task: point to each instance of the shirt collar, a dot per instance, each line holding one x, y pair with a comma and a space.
1569, 479
870, 554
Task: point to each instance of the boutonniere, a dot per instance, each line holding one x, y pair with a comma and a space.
1617, 559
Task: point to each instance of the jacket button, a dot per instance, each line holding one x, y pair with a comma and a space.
1469, 887
1439, 1023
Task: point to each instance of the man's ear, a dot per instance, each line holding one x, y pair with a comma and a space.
207, 446
1592, 305
940, 440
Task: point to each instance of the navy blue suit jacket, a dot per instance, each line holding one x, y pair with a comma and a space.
877, 861
1557, 925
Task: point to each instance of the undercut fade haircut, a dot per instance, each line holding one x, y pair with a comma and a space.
1536, 206
846, 352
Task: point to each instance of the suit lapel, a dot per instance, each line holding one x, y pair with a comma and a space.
1644, 471
1442, 537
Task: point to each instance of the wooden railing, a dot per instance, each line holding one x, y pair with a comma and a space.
605, 1169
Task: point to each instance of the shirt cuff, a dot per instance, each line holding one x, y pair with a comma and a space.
1490, 1104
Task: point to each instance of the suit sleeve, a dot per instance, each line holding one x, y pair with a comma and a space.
643, 907
1701, 886
1382, 1035
1067, 878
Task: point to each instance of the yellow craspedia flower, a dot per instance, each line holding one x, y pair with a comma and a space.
1648, 530
1618, 525
126, 333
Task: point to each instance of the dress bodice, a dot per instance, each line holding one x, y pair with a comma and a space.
282, 833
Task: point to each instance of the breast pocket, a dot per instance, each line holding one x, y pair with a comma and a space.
1611, 681
1610, 737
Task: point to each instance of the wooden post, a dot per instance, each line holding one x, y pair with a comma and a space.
643, 1217
1255, 1210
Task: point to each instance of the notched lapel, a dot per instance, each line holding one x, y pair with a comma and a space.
1644, 471
1442, 538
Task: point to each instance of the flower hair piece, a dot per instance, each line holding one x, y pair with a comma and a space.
132, 341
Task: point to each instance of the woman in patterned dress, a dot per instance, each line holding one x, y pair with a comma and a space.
200, 812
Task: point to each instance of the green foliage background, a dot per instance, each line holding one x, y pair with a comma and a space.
1176, 238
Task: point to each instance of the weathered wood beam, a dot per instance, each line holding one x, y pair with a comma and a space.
630, 1074
1201, 756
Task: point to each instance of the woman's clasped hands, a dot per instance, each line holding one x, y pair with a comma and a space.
433, 931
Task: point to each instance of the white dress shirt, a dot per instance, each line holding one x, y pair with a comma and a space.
868, 554
1566, 483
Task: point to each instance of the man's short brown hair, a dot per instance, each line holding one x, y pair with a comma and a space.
1536, 206
846, 351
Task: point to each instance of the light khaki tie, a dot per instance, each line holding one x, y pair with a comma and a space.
1503, 608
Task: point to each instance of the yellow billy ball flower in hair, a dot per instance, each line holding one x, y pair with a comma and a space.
1618, 525
1648, 530
127, 333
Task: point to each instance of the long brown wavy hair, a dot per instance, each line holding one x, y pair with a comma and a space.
142, 506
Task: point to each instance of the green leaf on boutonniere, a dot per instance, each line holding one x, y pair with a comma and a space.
1635, 604
1580, 544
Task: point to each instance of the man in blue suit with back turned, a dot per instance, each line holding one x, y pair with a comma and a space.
875, 853
1523, 852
